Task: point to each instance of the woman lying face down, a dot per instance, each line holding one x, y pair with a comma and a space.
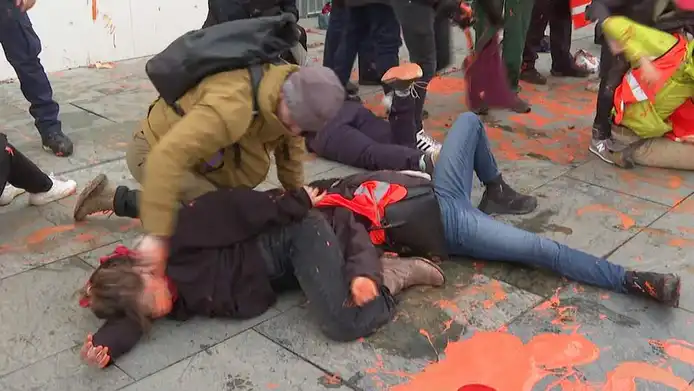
233, 252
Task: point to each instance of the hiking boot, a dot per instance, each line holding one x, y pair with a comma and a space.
572, 71
520, 106
97, 197
426, 143
58, 191
601, 149
532, 76
500, 198
57, 143
664, 288
400, 273
9, 194
402, 77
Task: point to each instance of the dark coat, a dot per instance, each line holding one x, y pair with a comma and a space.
220, 11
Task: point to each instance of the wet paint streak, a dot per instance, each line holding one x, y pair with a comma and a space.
502, 362
627, 221
43, 234
95, 10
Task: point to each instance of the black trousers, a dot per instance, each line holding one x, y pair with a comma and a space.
307, 254
612, 70
18, 171
428, 39
22, 47
556, 13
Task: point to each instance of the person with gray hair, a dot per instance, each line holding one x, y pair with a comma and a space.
224, 140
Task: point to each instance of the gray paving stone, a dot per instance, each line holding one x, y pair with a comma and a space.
40, 314
64, 371
426, 321
667, 187
596, 220
170, 342
121, 107
665, 246
236, 365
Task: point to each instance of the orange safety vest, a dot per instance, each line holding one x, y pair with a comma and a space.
578, 13
632, 90
370, 200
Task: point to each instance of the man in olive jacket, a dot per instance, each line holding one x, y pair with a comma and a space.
220, 142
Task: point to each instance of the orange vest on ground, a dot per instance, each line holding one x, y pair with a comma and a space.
632, 90
578, 13
370, 200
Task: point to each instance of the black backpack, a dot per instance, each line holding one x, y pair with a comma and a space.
243, 43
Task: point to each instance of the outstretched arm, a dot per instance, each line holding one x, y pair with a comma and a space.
115, 338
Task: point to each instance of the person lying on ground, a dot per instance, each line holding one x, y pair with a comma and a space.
220, 142
470, 232
654, 99
18, 175
232, 252
359, 138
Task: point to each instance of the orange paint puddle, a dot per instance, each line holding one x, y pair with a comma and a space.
627, 221
444, 85
502, 362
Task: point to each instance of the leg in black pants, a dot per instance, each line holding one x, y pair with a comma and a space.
20, 172
318, 266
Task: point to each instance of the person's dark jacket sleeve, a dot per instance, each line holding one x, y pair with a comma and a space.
289, 6
229, 216
118, 335
362, 258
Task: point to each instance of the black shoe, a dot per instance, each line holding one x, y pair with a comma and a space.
520, 106
664, 288
427, 163
500, 198
572, 71
532, 76
58, 143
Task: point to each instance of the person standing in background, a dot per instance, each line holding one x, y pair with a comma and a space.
22, 48
517, 15
556, 13
373, 21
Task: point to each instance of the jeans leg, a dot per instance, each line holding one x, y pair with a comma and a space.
333, 37
347, 52
17, 170
471, 233
402, 121
417, 21
22, 47
318, 265
466, 149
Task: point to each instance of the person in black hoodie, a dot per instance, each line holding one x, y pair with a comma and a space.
233, 251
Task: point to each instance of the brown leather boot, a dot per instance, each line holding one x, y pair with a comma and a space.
400, 273
96, 197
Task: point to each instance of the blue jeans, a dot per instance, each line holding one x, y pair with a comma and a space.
373, 22
469, 232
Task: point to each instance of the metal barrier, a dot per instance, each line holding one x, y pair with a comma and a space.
309, 7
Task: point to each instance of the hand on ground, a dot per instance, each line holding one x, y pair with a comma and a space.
364, 290
96, 356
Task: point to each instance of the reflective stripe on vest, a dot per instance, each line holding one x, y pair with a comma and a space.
578, 13
636, 91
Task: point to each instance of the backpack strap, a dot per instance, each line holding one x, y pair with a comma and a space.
256, 74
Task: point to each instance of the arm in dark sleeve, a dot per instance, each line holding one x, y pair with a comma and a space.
119, 336
362, 258
229, 216
599, 10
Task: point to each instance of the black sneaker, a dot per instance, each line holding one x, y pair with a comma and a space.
664, 288
572, 71
57, 143
532, 76
520, 106
500, 198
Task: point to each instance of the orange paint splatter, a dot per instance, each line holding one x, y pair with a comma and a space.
95, 10
627, 221
447, 85
42, 234
623, 378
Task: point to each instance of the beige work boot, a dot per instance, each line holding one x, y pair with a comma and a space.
400, 273
96, 197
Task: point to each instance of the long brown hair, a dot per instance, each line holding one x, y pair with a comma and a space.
114, 291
